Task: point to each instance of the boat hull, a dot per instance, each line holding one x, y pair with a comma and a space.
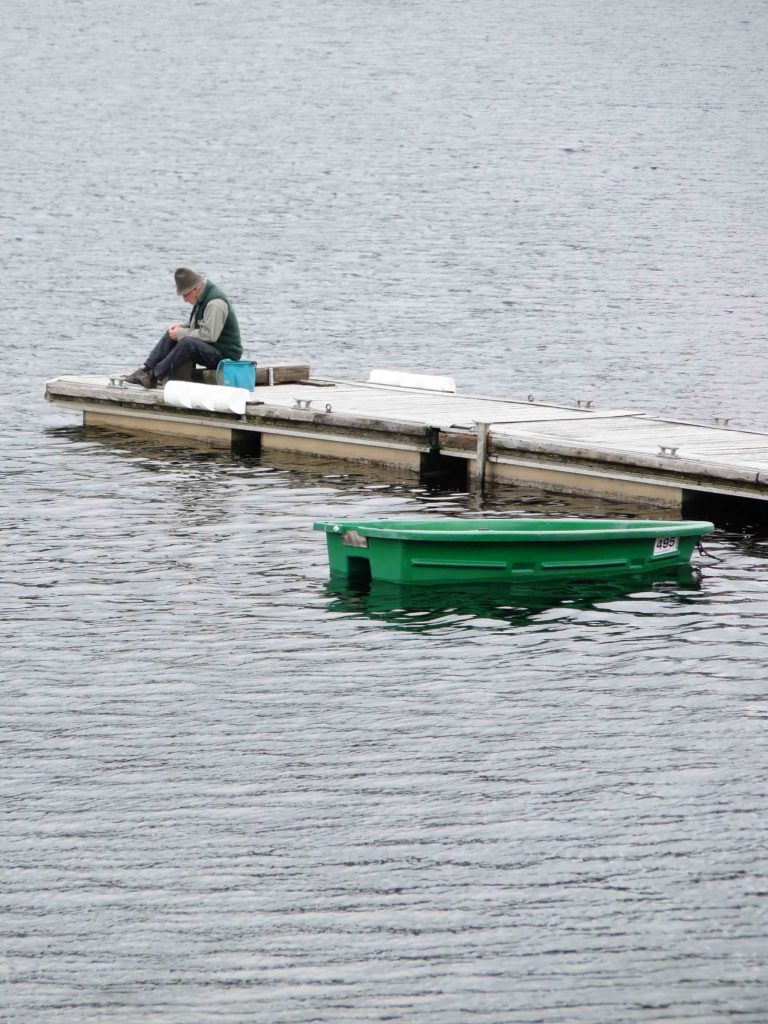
450, 551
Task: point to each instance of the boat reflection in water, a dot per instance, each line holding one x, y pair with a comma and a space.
423, 608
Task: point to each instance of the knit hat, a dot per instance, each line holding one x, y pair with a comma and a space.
186, 280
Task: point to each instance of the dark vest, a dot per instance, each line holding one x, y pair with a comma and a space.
228, 341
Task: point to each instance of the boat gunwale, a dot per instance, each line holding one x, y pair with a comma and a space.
555, 531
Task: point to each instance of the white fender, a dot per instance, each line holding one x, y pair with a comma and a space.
210, 397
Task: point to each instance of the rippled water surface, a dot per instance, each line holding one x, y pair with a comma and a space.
233, 791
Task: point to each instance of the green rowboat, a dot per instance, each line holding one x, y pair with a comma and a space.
497, 550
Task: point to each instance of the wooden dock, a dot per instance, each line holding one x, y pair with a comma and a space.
465, 440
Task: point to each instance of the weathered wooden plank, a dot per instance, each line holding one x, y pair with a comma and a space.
99, 388
276, 373
646, 437
427, 408
675, 465
269, 416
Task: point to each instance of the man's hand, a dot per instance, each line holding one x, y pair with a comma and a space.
173, 332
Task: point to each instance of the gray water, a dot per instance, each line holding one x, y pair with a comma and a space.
234, 792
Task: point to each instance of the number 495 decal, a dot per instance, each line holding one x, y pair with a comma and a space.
665, 545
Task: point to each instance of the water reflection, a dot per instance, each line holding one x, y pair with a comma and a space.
425, 608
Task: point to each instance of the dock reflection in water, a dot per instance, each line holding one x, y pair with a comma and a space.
427, 608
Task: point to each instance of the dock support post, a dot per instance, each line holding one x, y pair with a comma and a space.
481, 456
446, 472
246, 443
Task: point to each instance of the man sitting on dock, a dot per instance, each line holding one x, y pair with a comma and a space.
211, 335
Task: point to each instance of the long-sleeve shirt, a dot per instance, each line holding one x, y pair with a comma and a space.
214, 317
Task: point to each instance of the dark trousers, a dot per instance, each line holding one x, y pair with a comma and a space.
168, 355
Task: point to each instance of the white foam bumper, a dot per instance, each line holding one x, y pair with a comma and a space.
209, 397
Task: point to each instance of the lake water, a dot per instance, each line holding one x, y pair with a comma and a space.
233, 792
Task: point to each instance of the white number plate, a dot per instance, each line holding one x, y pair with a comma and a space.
665, 545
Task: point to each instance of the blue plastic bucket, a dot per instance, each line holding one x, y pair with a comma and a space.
236, 373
